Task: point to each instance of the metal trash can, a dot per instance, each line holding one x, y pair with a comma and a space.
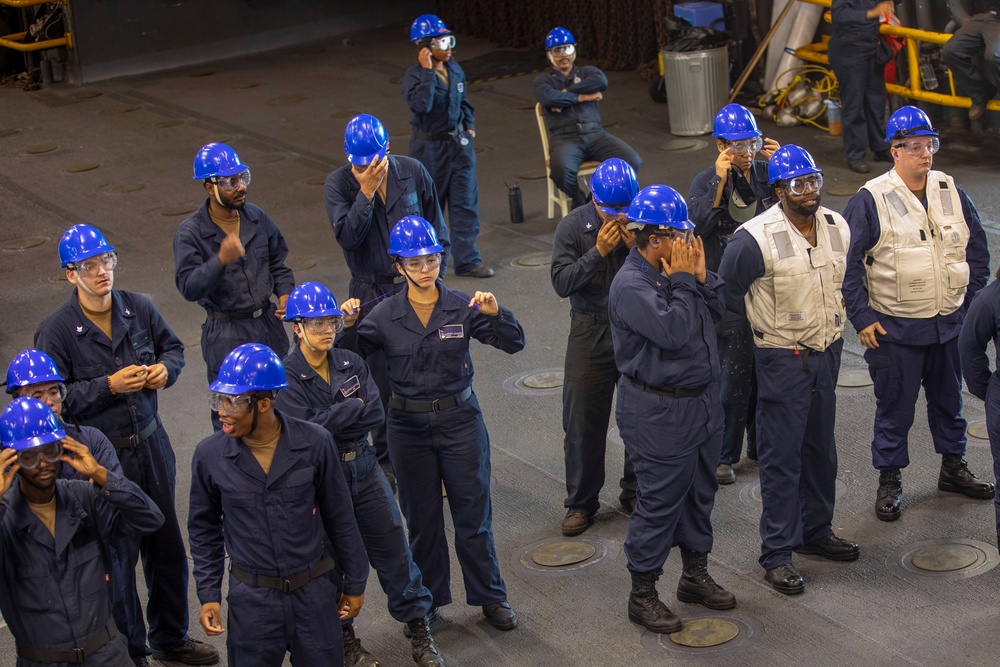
697, 87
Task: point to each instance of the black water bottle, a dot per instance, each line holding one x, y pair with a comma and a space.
514, 199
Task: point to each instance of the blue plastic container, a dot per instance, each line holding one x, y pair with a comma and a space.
703, 13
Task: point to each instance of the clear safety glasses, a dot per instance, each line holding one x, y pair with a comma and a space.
30, 458
232, 182
745, 146
108, 261
803, 184
52, 393
430, 262
686, 234
563, 50
917, 147
443, 43
320, 325
229, 405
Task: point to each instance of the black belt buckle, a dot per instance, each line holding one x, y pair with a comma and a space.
436, 405
286, 586
79, 655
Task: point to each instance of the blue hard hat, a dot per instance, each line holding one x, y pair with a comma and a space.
250, 367
217, 160
413, 236
365, 139
31, 367
427, 25
909, 121
790, 161
614, 184
659, 205
311, 299
558, 36
80, 242
29, 423
735, 122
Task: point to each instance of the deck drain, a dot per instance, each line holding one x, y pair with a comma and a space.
300, 263
541, 382
678, 145
854, 378
9, 131
191, 338
183, 209
751, 492
532, 260
128, 108
563, 556
843, 189
532, 174
39, 149
949, 558
218, 139
319, 179
560, 554
977, 429
545, 380
86, 95
17, 245
244, 85
82, 167
707, 634
197, 74
343, 114
170, 122
123, 188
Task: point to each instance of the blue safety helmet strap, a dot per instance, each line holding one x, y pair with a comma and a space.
413, 236
29, 423
31, 367
658, 205
909, 121
217, 159
790, 161
80, 242
250, 367
427, 26
558, 36
311, 299
365, 139
735, 122
614, 185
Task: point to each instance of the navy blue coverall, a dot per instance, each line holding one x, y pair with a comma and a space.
236, 297
349, 407
716, 226
272, 525
973, 53
575, 132
914, 351
668, 408
86, 358
361, 227
451, 444
582, 275
442, 119
54, 590
796, 414
862, 80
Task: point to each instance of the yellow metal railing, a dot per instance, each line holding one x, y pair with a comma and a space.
14, 41
816, 53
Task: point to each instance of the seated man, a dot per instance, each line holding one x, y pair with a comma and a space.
569, 97
973, 55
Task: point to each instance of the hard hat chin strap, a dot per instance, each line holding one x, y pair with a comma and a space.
256, 414
305, 338
217, 197
407, 274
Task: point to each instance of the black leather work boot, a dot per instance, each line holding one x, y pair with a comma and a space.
890, 495
646, 608
697, 585
956, 477
425, 654
355, 654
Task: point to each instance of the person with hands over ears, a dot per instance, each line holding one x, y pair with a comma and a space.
56, 540
364, 199
444, 133
722, 198
569, 96
436, 429
783, 271
332, 387
264, 490
230, 258
590, 246
663, 306
116, 352
918, 257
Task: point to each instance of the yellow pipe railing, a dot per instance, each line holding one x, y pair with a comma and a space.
14, 41
816, 53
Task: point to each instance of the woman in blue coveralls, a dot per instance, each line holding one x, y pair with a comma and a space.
663, 327
982, 324
444, 132
334, 388
436, 430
